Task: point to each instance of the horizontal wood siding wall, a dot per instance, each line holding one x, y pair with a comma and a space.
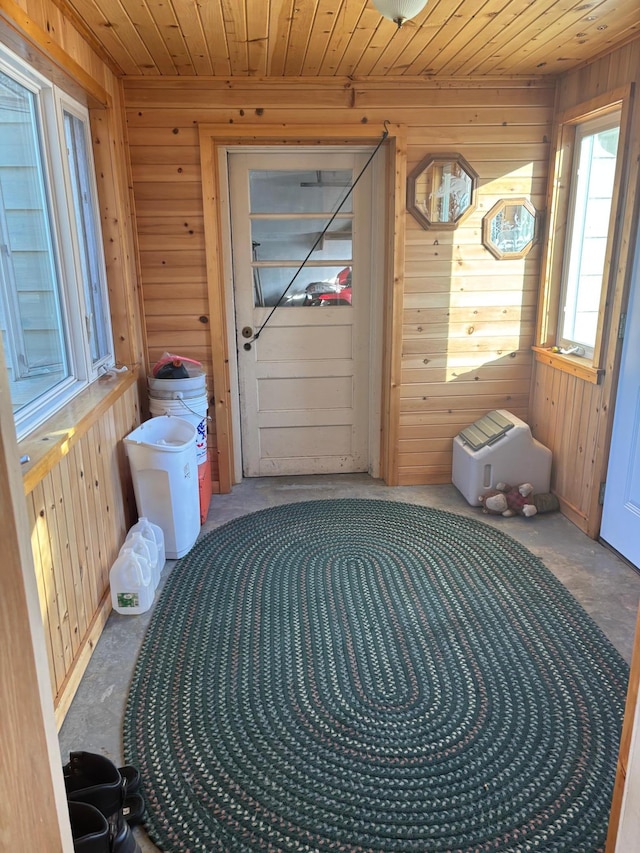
79, 515
468, 318
571, 416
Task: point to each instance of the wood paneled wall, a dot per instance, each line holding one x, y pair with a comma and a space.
569, 415
468, 318
79, 514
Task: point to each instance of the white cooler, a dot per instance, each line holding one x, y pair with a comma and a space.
498, 448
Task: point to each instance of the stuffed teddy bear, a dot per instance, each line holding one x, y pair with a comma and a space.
517, 500
509, 500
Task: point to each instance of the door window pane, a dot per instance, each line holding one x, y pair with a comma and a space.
291, 239
281, 191
31, 318
315, 286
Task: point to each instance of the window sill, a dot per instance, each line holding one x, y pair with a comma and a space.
573, 364
51, 441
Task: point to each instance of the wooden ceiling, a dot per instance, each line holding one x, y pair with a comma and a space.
326, 38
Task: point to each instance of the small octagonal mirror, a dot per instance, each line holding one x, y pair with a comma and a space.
441, 190
509, 229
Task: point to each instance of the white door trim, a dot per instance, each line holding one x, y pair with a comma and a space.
377, 294
224, 202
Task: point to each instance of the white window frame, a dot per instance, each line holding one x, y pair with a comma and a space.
51, 103
65, 104
547, 347
583, 129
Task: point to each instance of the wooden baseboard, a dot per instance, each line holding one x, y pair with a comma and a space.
573, 514
71, 683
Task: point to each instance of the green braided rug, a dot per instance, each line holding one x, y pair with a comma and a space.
363, 675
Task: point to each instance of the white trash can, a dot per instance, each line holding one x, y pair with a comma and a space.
162, 456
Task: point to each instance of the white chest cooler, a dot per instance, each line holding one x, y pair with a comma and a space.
498, 448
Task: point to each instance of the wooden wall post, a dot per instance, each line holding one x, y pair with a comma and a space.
33, 806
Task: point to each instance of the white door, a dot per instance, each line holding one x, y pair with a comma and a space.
304, 383
621, 511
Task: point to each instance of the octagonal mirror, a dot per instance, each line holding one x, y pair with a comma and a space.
509, 229
441, 190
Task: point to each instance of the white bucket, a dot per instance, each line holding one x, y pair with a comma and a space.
165, 389
184, 398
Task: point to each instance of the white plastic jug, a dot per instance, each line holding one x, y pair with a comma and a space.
152, 531
147, 549
131, 585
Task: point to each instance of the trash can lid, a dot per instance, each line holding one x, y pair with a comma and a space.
486, 430
165, 432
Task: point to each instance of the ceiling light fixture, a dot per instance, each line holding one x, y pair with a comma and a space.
399, 11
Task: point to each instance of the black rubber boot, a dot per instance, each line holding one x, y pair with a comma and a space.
89, 828
93, 779
131, 776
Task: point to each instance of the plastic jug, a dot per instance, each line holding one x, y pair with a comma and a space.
151, 531
147, 549
131, 585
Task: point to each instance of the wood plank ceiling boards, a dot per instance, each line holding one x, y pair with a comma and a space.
327, 38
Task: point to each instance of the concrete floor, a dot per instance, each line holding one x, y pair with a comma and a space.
606, 586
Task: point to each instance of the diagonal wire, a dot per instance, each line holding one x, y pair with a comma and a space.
385, 133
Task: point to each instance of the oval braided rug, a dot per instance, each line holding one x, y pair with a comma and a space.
364, 675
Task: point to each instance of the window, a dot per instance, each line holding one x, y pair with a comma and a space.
592, 186
54, 316
582, 244
89, 251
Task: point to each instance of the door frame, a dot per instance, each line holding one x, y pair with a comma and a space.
215, 141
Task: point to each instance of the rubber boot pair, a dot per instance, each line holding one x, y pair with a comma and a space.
90, 829
97, 796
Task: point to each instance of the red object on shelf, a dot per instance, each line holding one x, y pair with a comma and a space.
204, 488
